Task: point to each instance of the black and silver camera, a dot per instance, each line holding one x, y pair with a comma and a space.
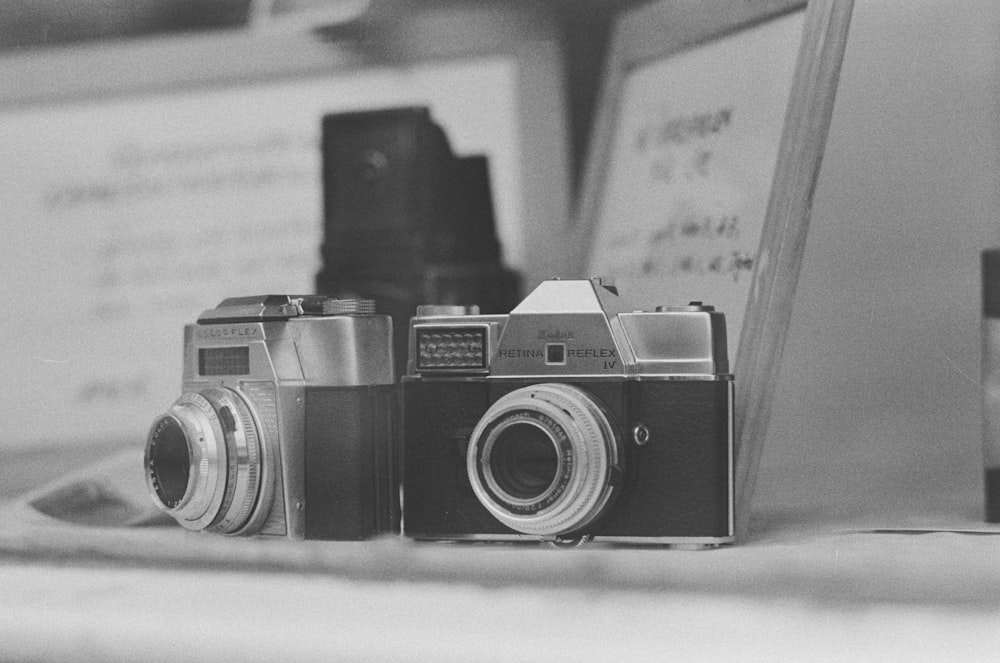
566, 420
286, 422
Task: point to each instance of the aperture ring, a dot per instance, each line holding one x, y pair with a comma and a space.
206, 480
243, 454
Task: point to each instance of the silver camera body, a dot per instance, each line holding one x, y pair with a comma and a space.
569, 420
285, 425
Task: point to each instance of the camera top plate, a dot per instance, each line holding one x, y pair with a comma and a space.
269, 308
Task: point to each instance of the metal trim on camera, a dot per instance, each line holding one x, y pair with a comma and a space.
286, 422
215, 424
452, 348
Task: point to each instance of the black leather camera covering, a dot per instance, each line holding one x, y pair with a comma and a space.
677, 485
438, 419
351, 468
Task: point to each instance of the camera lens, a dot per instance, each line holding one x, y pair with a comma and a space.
204, 461
525, 461
543, 459
169, 461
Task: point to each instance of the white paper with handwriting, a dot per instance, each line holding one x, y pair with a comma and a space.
125, 218
692, 160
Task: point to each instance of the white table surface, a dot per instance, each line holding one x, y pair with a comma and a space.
129, 614
814, 583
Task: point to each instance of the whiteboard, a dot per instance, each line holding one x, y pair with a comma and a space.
690, 171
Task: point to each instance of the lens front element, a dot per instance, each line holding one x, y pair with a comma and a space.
169, 461
544, 460
204, 461
524, 461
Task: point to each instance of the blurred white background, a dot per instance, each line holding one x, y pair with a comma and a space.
878, 405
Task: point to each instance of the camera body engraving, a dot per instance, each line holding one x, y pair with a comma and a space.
286, 423
569, 420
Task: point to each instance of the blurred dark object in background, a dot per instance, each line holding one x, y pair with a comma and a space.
35, 23
990, 377
406, 221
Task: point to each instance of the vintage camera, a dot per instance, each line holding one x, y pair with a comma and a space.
286, 422
566, 421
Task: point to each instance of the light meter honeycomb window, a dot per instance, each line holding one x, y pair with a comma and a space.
451, 348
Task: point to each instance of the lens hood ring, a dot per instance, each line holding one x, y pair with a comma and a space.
203, 436
223, 452
594, 447
501, 425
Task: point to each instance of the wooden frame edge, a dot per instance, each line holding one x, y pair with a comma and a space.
769, 307
803, 138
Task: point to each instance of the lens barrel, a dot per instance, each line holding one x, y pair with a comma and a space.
204, 460
545, 459
169, 463
525, 461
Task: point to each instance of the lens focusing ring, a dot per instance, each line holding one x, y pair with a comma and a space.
587, 446
224, 449
199, 426
243, 453
498, 475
